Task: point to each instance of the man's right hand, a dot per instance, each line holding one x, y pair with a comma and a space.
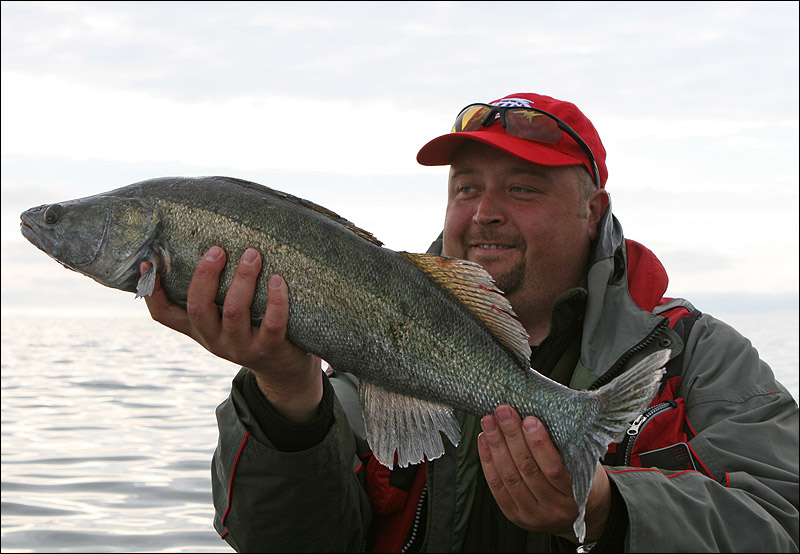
290, 378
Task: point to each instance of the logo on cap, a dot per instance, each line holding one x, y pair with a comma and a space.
514, 103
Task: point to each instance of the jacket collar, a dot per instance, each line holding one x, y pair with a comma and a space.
625, 282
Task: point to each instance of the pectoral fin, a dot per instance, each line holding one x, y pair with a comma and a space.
160, 260
147, 282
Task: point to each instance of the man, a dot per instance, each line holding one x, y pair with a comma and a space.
713, 465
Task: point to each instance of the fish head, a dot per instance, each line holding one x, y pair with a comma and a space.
104, 237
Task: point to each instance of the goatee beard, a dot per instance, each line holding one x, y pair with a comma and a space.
511, 281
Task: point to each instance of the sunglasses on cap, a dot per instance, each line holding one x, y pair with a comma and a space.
524, 123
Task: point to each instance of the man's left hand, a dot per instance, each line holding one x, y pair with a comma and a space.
529, 481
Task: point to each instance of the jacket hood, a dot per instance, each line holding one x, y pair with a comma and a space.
625, 282
647, 278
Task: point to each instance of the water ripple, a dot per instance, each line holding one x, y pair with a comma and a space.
107, 442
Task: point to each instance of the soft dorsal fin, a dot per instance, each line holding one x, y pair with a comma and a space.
475, 288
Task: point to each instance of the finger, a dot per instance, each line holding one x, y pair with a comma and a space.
502, 456
200, 301
162, 310
546, 455
236, 318
502, 496
511, 426
516, 464
276, 316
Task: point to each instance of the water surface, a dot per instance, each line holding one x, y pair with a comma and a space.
108, 429
107, 433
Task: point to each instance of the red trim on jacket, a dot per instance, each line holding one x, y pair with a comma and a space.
696, 457
631, 469
230, 484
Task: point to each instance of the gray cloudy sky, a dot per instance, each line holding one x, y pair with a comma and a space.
696, 103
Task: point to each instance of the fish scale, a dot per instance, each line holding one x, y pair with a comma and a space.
424, 334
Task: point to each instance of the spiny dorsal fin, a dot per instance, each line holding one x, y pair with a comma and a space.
406, 425
475, 288
333, 215
308, 204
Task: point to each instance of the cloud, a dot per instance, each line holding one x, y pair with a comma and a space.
50, 116
633, 56
697, 104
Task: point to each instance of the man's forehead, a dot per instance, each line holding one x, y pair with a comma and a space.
477, 158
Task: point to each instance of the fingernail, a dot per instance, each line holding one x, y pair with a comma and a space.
503, 413
249, 256
213, 253
489, 425
275, 282
530, 424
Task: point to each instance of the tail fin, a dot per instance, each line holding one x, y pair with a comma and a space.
621, 401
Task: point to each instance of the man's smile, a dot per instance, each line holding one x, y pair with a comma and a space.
491, 247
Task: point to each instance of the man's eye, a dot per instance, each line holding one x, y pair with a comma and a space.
521, 189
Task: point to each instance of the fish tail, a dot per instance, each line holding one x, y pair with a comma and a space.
620, 401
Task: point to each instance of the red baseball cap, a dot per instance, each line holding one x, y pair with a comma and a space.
566, 151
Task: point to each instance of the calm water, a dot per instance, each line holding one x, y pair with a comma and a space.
108, 429
107, 433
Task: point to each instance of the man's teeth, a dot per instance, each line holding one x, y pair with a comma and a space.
492, 246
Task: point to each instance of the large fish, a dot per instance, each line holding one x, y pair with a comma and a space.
425, 334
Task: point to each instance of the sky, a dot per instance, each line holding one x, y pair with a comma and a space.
696, 103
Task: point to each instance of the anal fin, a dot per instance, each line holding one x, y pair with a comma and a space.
408, 426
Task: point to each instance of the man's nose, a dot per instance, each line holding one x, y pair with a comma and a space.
489, 211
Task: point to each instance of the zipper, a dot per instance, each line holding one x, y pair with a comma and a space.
616, 369
415, 527
638, 424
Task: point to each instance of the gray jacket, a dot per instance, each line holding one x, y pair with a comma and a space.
746, 426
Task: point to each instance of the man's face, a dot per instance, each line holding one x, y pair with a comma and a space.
524, 223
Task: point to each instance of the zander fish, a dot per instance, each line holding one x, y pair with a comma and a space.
424, 334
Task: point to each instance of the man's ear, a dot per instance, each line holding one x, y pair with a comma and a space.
597, 205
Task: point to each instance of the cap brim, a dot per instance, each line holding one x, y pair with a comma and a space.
440, 150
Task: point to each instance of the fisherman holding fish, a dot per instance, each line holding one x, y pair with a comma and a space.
643, 425
526, 200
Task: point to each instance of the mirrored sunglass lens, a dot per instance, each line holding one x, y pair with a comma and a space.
470, 118
531, 125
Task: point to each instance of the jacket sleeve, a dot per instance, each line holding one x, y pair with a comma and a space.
746, 426
272, 501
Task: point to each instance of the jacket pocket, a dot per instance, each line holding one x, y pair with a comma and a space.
658, 438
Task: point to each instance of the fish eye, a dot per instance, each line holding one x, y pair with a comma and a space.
52, 213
